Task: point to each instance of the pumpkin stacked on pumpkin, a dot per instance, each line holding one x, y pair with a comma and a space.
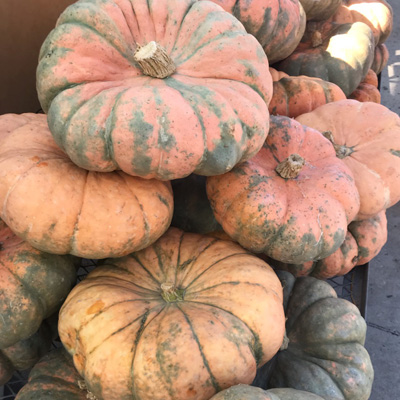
140, 93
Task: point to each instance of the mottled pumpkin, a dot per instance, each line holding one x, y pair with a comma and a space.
381, 58
366, 137
245, 392
178, 320
364, 240
33, 285
341, 54
367, 90
69, 209
325, 353
292, 201
277, 24
55, 378
152, 88
25, 353
320, 10
296, 95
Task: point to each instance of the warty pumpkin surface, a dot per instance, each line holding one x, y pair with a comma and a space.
246, 392
325, 354
296, 95
71, 210
152, 88
341, 54
54, 377
277, 24
367, 138
292, 201
182, 319
33, 285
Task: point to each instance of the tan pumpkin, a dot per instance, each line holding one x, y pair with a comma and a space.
60, 208
366, 137
182, 319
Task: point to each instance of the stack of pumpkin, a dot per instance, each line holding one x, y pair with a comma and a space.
140, 94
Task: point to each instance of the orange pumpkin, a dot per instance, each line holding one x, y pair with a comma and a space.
367, 90
366, 137
182, 319
292, 201
381, 58
60, 208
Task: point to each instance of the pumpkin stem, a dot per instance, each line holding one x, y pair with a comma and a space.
290, 167
89, 394
342, 151
285, 343
316, 39
154, 60
170, 293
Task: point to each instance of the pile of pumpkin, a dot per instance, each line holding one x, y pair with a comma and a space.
158, 112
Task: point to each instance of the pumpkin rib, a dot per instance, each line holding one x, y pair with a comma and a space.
146, 269
178, 258
205, 361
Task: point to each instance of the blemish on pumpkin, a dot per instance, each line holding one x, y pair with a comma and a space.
395, 152
96, 307
35, 159
42, 164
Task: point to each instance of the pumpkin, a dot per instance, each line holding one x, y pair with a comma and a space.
277, 24
296, 95
367, 90
71, 210
245, 392
292, 201
366, 137
177, 320
33, 285
276, 75
25, 353
381, 58
377, 14
325, 353
192, 210
341, 54
54, 378
151, 88
363, 241
318, 10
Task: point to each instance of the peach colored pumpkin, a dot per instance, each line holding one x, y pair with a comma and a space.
292, 201
182, 319
276, 75
367, 90
112, 106
367, 139
60, 208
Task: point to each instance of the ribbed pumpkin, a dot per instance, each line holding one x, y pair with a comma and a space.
364, 240
292, 201
325, 354
25, 353
296, 95
367, 90
55, 378
245, 392
33, 286
381, 58
367, 138
277, 24
152, 88
318, 10
182, 319
276, 75
68, 209
341, 54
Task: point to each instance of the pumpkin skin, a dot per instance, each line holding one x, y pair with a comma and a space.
296, 95
341, 54
326, 353
33, 285
276, 75
304, 218
245, 392
367, 136
25, 353
277, 24
364, 240
177, 320
106, 114
381, 58
368, 90
54, 378
318, 10
88, 214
